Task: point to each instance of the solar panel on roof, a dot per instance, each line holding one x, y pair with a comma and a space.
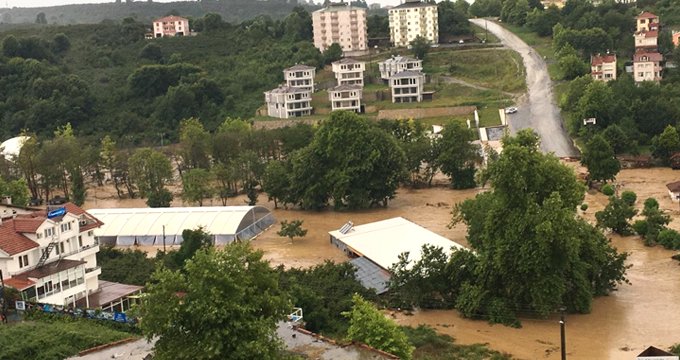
346, 228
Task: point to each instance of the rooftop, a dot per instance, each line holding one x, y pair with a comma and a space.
341, 6
654, 351
407, 74
12, 242
109, 292
283, 89
674, 186
170, 18
383, 241
651, 56
598, 59
347, 61
347, 87
400, 59
50, 269
646, 15
299, 67
412, 4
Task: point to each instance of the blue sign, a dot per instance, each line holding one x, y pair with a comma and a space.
56, 213
119, 317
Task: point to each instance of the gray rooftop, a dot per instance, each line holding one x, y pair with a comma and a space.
341, 6
287, 90
370, 275
299, 67
347, 61
407, 74
347, 87
400, 59
412, 4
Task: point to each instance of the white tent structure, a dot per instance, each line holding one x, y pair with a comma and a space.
12, 147
156, 226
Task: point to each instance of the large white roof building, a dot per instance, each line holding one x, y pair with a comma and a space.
149, 226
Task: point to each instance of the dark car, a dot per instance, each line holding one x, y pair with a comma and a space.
57, 200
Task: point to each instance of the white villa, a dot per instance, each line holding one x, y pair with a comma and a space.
50, 257
346, 97
171, 26
407, 86
411, 19
398, 64
300, 76
349, 71
286, 102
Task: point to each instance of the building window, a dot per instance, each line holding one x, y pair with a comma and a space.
57, 249
49, 232
23, 261
90, 233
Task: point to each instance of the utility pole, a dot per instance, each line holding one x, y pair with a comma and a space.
163, 238
562, 334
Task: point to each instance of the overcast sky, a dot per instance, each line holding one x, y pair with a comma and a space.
37, 3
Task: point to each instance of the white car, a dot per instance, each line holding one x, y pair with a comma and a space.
510, 110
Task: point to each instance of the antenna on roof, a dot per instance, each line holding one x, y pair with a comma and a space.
346, 228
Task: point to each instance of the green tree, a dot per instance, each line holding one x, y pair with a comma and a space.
192, 242
618, 139
151, 171
151, 52
41, 18
420, 46
484, 8
78, 188
616, 216
125, 266
666, 144
332, 53
369, 326
292, 229
276, 181
452, 18
10, 46
17, 190
196, 185
195, 144
458, 155
533, 252
378, 26
572, 67
655, 221
60, 43
297, 26
598, 156
223, 304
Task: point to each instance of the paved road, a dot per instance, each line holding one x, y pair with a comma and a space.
539, 111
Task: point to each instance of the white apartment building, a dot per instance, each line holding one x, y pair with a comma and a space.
346, 97
646, 39
397, 64
407, 86
171, 26
349, 71
300, 76
411, 19
647, 21
603, 67
647, 66
342, 24
286, 102
51, 258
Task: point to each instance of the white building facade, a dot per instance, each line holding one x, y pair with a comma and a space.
647, 67
171, 26
346, 97
411, 19
603, 67
349, 71
407, 86
397, 64
300, 76
51, 260
342, 24
287, 102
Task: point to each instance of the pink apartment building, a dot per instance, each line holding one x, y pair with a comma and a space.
171, 26
342, 24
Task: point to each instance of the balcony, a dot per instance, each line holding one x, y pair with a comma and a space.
92, 272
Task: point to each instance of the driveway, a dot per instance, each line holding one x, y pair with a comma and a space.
537, 110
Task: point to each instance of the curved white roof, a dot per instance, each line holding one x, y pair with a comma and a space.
12, 147
216, 220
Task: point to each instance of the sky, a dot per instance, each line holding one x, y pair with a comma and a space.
38, 3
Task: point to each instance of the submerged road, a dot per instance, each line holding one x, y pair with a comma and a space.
539, 111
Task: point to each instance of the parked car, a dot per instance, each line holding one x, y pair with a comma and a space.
510, 110
57, 200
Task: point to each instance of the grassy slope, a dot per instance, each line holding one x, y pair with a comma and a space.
53, 340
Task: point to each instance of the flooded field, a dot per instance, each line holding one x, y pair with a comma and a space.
647, 312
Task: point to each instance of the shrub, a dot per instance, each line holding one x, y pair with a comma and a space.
629, 197
651, 203
669, 238
584, 207
641, 227
608, 190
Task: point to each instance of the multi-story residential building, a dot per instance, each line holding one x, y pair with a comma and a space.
411, 19
346, 97
349, 71
286, 102
342, 24
647, 66
407, 86
171, 26
603, 67
558, 3
300, 76
647, 21
647, 39
397, 64
50, 257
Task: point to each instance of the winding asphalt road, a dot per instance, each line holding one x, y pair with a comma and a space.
539, 111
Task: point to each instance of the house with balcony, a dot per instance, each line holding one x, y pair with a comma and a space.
346, 97
411, 19
50, 256
647, 40
407, 86
603, 67
171, 26
647, 66
287, 102
300, 76
343, 24
349, 71
647, 21
397, 64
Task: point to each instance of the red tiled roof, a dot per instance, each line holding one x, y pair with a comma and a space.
674, 186
27, 225
649, 34
74, 209
170, 18
646, 15
601, 59
50, 269
19, 284
13, 242
651, 56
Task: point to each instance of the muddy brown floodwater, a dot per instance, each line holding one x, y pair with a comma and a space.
646, 312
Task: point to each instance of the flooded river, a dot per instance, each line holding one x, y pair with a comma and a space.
646, 312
